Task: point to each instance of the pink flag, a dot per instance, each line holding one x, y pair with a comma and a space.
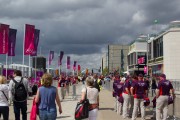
145, 69
51, 56
4, 34
60, 58
68, 62
36, 41
79, 67
74, 66
29, 39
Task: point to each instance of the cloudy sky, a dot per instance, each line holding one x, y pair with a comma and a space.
84, 28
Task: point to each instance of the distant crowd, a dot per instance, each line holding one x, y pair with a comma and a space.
131, 94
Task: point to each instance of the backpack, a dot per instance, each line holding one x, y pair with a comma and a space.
20, 93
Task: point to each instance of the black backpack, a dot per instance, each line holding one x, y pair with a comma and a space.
20, 93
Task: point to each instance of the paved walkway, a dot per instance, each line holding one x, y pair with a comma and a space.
68, 106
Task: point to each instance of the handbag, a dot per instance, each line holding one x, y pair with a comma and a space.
34, 110
82, 109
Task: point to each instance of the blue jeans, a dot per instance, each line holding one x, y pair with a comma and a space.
4, 110
20, 106
48, 114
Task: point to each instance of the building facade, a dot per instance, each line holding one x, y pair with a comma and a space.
117, 58
137, 55
105, 61
164, 51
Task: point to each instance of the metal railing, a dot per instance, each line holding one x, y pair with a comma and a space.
176, 84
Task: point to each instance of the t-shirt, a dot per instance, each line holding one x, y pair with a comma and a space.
127, 84
92, 94
139, 89
62, 83
119, 89
164, 87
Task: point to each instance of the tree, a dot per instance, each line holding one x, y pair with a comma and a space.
105, 71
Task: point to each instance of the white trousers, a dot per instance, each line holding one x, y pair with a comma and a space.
126, 98
92, 114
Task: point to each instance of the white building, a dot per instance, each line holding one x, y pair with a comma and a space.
137, 49
164, 52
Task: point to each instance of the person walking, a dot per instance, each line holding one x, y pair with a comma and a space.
92, 96
119, 97
153, 86
139, 89
62, 84
96, 82
74, 82
4, 93
115, 91
46, 97
164, 89
126, 96
19, 88
67, 84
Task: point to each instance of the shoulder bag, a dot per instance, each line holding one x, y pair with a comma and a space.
82, 109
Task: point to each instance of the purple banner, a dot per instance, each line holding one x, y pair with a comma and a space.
12, 42
10, 72
74, 66
51, 56
60, 58
36, 42
4, 34
68, 62
29, 39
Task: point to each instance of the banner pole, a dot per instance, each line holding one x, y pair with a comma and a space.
6, 63
35, 68
29, 65
23, 53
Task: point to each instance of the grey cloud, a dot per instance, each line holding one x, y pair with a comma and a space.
85, 27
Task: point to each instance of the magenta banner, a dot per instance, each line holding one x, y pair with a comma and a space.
4, 34
36, 42
51, 56
68, 62
145, 69
9, 72
74, 66
29, 39
79, 68
60, 58
12, 42
141, 60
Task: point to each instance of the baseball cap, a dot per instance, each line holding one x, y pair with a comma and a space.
162, 75
140, 75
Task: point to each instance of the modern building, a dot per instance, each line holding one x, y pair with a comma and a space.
117, 58
105, 61
137, 55
164, 52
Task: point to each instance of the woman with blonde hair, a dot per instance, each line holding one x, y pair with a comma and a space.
46, 96
92, 96
4, 104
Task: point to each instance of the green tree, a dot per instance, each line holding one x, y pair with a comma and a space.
105, 71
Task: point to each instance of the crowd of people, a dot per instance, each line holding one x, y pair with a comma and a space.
47, 96
131, 95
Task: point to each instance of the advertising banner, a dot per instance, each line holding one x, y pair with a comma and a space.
4, 35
